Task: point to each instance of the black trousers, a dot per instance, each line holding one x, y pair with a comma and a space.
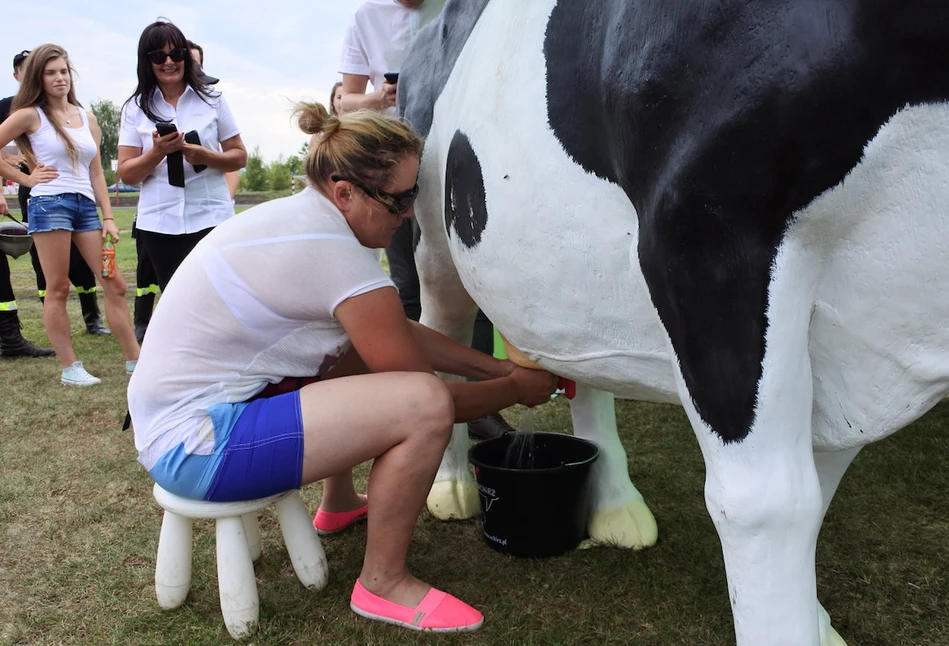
79, 273
6, 287
145, 275
168, 251
401, 256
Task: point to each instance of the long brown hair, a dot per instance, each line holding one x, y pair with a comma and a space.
31, 94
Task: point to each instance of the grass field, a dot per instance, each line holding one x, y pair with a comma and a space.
79, 529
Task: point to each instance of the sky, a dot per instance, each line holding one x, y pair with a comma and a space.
267, 55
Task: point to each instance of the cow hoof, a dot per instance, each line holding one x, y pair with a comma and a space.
631, 526
828, 636
453, 500
832, 639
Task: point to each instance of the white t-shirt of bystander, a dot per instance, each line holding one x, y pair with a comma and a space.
251, 305
379, 37
205, 200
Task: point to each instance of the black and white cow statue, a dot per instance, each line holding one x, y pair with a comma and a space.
739, 206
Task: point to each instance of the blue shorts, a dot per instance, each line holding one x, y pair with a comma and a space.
258, 452
69, 211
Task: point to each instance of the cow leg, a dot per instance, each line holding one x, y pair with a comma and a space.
744, 378
447, 308
764, 498
831, 467
618, 514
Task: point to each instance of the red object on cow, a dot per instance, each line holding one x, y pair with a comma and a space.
569, 387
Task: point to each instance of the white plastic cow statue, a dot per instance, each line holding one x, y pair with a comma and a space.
740, 207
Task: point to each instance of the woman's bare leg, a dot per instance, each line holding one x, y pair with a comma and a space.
404, 421
339, 493
52, 247
117, 312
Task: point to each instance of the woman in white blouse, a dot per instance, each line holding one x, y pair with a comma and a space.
177, 206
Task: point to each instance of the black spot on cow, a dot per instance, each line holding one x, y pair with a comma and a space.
720, 120
465, 209
416, 234
431, 59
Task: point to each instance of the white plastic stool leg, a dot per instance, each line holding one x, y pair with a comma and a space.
173, 562
237, 586
303, 543
252, 530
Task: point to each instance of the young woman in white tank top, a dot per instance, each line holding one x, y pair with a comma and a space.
61, 142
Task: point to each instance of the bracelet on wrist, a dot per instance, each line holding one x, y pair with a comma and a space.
104, 219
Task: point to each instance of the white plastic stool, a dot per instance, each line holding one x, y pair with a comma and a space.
238, 546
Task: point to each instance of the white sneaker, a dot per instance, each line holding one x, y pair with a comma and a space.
130, 366
76, 375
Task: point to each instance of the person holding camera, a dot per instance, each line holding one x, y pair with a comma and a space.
374, 47
178, 139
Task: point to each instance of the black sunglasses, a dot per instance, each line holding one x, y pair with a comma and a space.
397, 203
158, 57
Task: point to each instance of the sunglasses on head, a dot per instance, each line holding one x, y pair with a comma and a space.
158, 57
397, 203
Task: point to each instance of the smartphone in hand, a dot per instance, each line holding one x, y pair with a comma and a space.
391, 77
165, 128
176, 165
192, 137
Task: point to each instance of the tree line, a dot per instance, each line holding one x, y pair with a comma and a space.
256, 176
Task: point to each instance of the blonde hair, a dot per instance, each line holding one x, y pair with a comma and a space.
31, 94
364, 146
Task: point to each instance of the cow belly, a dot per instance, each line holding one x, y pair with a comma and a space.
879, 343
555, 266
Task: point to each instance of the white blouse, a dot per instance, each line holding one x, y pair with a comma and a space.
204, 201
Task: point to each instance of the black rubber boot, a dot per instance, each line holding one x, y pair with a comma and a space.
143, 314
489, 426
90, 314
12, 343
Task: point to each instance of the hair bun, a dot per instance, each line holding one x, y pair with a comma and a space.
314, 118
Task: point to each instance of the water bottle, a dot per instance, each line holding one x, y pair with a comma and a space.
108, 257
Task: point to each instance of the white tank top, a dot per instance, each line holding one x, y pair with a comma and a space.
50, 150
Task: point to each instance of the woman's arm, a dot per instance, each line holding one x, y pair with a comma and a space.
21, 122
453, 358
97, 178
355, 97
233, 155
386, 342
135, 165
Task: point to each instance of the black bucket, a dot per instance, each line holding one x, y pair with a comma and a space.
534, 491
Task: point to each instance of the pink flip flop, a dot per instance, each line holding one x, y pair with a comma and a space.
331, 522
438, 612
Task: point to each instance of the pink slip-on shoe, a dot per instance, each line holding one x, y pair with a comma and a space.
331, 522
438, 612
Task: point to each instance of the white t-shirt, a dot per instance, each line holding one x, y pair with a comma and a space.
49, 150
251, 305
379, 36
205, 200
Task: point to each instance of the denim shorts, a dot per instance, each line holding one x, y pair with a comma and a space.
69, 211
258, 452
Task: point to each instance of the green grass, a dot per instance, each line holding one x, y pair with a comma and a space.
79, 529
